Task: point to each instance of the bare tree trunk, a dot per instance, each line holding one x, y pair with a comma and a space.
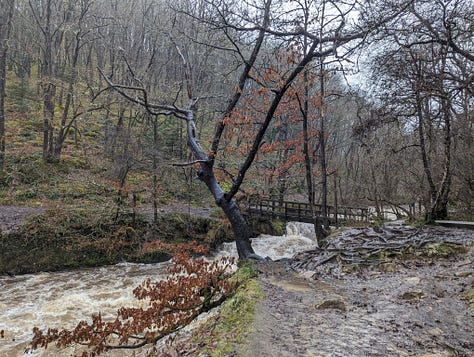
121, 195
6, 13
322, 152
283, 176
439, 209
155, 168
438, 198
47, 84
322, 139
425, 158
64, 126
318, 230
304, 109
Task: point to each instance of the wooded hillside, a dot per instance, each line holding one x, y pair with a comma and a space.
367, 103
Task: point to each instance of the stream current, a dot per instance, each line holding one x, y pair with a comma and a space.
62, 299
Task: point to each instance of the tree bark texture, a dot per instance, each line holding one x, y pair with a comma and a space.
6, 13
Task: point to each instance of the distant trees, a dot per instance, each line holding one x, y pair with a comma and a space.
243, 76
425, 83
63, 30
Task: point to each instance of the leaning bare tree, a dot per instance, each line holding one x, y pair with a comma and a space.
250, 30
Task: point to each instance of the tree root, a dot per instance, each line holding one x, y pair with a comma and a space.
371, 247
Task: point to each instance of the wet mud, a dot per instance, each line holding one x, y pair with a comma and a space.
12, 217
418, 308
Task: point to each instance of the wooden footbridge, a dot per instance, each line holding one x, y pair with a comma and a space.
301, 211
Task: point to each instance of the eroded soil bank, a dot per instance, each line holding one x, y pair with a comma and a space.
416, 305
62, 238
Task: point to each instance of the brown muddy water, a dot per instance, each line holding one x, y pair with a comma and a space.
62, 299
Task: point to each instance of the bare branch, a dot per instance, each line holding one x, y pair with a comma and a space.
185, 164
154, 109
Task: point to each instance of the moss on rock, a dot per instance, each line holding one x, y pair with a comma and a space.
263, 225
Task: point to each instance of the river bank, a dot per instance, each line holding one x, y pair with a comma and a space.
59, 238
61, 299
412, 300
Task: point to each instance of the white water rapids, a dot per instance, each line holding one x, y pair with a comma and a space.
62, 299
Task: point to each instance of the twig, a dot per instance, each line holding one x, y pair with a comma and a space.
184, 164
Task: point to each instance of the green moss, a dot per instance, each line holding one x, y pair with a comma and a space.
443, 250
235, 320
263, 225
468, 295
182, 227
278, 227
65, 237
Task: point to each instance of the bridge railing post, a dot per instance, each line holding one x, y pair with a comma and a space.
292, 210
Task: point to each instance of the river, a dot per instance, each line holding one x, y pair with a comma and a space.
62, 299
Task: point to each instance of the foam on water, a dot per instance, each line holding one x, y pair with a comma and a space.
299, 237
62, 299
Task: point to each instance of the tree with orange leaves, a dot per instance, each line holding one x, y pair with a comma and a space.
193, 286
251, 31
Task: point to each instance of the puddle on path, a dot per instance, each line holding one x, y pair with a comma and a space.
416, 310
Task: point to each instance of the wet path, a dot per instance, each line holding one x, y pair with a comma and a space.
415, 311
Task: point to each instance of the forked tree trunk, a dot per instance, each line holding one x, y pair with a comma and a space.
241, 229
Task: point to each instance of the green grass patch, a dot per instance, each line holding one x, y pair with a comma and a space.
228, 332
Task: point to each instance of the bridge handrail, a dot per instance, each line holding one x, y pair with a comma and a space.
263, 199
294, 209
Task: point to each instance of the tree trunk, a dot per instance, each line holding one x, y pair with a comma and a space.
240, 227
322, 150
439, 209
65, 126
48, 87
155, 168
318, 230
304, 108
6, 13
425, 158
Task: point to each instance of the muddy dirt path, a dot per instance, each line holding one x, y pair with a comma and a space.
415, 310
12, 217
